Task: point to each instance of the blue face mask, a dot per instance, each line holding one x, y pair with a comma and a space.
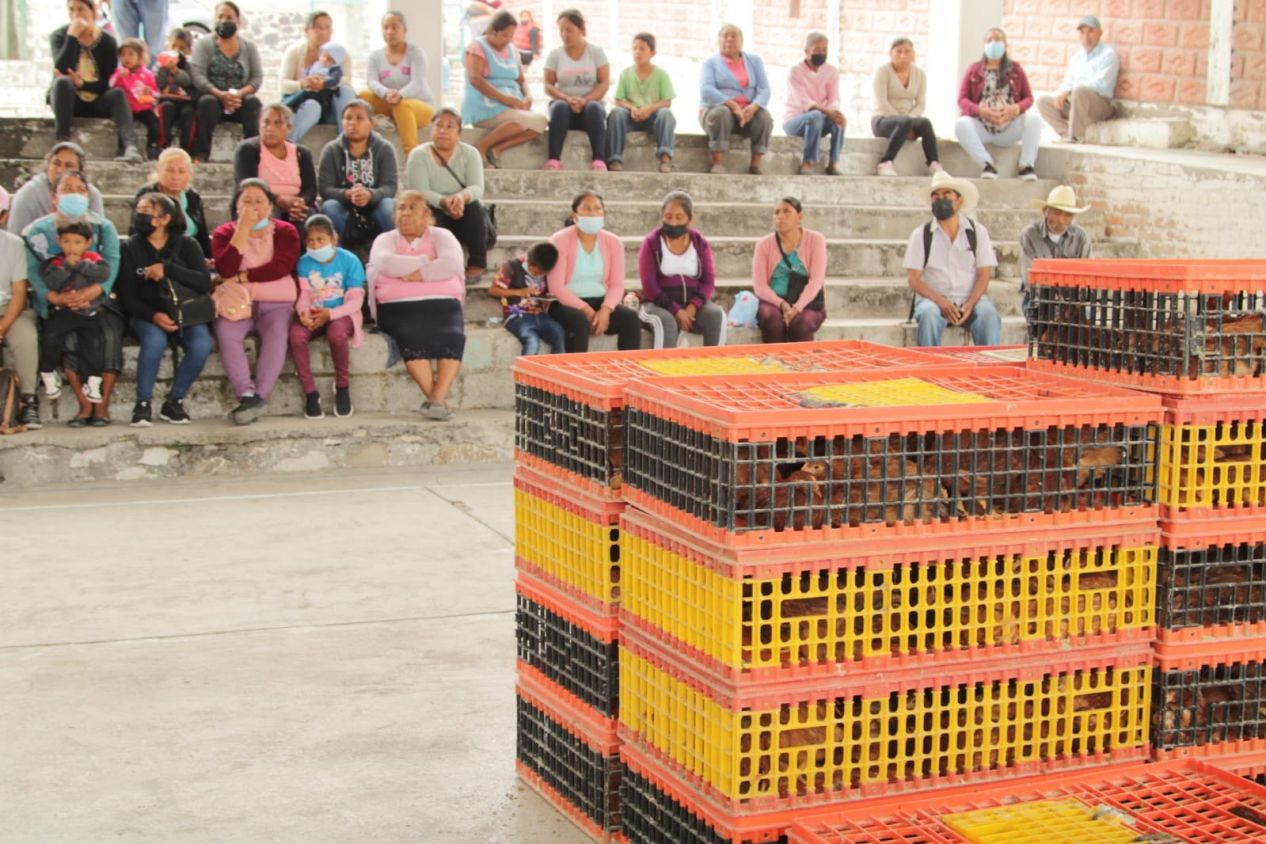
261, 225
73, 205
589, 225
994, 50
323, 255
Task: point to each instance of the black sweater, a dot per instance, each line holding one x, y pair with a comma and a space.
196, 212
182, 261
246, 166
105, 53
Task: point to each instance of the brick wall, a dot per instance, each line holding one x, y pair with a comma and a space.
1163, 44
1248, 55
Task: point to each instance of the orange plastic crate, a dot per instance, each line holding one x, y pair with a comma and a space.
568, 408
1211, 580
1213, 457
1185, 327
1209, 698
1191, 801
981, 355
831, 609
781, 458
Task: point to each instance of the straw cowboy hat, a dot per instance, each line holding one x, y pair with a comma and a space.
1061, 198
963, 187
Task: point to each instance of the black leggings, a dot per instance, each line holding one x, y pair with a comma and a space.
154, 131
211, 112
469, 231
624, 322
112, 104
897, 129
178, 123
592, 118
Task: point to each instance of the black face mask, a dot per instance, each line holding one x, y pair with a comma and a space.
817, 59
942, 209
674, 231
143, 224
226, 29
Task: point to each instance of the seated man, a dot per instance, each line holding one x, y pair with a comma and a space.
1053, 236
948, 263
1085, 95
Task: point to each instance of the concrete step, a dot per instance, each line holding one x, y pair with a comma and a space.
274, 444
1145, 132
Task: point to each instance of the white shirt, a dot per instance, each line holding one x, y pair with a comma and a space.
951, 268
12, 265
1097, 69
686, 264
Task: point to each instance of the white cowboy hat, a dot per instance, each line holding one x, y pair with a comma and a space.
963, 187
1060, 198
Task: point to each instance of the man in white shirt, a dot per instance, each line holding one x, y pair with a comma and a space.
17, 322
1085, 95
949, 278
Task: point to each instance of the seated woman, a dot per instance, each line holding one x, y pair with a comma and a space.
258, 253
283, 165
173, 177
397, 82
227, 74
84, 59
577, 76
450, 175
35, 198
165, 289
995, 100
416, 290
302, 55
70, 198
900, 95
358, 173
678, 278
734, 100
496, 92
813, 106
788, 271
587, 283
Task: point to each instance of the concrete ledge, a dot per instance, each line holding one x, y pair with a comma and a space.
1148, 133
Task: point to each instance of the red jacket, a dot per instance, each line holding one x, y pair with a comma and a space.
972, 89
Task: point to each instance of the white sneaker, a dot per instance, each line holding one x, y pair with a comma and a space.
52, 384
92, 389
886, 169
935, 167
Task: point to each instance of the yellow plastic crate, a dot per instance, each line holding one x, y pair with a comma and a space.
1042, 822
885, 732
568, 538
1213, 457
829, 607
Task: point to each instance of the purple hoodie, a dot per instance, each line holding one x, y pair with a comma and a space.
672, 293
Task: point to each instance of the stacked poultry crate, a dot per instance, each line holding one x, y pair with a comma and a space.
845, 585
1193, 332
570, 454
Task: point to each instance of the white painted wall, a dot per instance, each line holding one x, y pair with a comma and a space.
958, 34
426, 29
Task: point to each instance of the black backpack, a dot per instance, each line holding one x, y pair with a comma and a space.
927, 252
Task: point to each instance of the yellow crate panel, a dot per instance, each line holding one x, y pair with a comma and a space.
844, 615
715, 366
1042, 822
891, 392
1205, 466
582, 553
835, 744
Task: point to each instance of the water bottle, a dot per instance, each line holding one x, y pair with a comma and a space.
233, 92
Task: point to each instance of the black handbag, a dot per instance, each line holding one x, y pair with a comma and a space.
361, 229
797, 282
184, 305
489, 211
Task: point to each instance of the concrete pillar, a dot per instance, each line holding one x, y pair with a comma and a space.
959, 27
616, 40
426, 29
835, 49
1218, 77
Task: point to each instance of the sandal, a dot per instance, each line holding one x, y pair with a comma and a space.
101, 422
666, 166
79, 422
494, 160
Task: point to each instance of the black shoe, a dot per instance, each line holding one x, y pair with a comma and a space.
248, 410
101, 422
29, 415
142, 415
312, 406
990, 172
79, 422
1028, 174
173, 411
342, 402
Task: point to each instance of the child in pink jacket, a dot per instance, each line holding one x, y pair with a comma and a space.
141, 88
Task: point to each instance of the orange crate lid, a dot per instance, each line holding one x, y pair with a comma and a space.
1179, 275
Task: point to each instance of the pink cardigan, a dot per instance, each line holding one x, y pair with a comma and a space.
812, 252
568, 243
436, 255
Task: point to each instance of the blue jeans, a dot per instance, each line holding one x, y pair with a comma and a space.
194, 339
984, 323
662, 125
309, 113
811, 126
131, 15
531, 329
384, 214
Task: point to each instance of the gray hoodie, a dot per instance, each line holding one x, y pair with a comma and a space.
378, 169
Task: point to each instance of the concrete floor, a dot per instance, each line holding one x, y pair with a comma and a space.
324, 657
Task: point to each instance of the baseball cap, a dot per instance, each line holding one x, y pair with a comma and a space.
1090, 21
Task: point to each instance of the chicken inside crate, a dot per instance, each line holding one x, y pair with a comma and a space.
1211, 704
573, 435
1142, 331
1211, 585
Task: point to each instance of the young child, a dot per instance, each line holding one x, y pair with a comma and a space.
75, 268
329, 66
141, 88
174, 85
643, 103
331, 290
520, 285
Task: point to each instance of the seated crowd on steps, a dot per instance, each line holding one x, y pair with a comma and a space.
320, 246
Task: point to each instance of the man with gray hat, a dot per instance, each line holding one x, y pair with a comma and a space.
1085, 95
1053, 236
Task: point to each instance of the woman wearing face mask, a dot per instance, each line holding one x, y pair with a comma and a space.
587, 283
161, 267
813, 105
70, 199
173, 178
258, 252
994, 99
900, 96
678, 278
788, 271
227, 74
35, 198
